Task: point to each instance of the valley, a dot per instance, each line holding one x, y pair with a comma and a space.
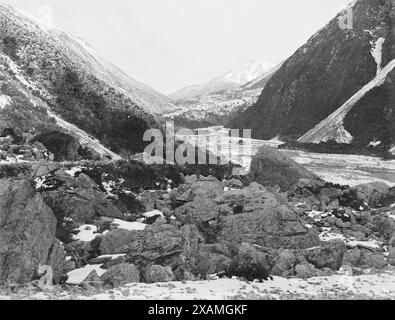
83, 216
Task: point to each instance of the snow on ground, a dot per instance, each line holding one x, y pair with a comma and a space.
4, 101
129, 225
336, 168
377, 48
371, 244
346, 169
86, 233
112, 256
78, 275
153, 213
327, 236
73, 171
341, 286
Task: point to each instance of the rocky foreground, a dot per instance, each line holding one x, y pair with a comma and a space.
124, 230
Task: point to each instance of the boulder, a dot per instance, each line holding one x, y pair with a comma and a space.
212, 259
92, 281
57, 260
391, 257
250, 263
162, 245
305, 270
158, 273
329, 255
116, 241
270, 167
27, 232
78, 199
158, 244
260, 218
364, 259
202, 188
372, 194
120, 275
284, 263
233, 183
384, 226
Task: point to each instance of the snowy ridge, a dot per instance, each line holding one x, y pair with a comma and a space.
230, 80
266, 76
331, 126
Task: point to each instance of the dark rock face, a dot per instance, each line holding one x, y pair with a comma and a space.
270, 167
324, 73
27, 233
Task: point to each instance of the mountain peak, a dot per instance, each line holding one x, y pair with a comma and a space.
230, 80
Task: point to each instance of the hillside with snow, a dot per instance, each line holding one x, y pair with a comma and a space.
337, 88
75, 87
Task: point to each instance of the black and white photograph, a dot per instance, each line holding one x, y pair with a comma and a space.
197, 150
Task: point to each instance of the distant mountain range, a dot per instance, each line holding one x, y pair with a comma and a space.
337, 87
230, 80
212, 106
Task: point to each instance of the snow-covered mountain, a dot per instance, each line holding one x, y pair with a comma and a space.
337, 87
69, 81
230, 80
221, 106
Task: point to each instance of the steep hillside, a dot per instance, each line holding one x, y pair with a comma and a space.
72, 82
343, 74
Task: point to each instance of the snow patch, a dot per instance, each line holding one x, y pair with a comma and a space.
4, 101
374, 143
377, 49
77, 276
112, 256
130, 226
153, 213
73, 171
371, 244
86, 233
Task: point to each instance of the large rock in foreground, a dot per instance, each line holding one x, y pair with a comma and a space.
264, 220
27, 233
270, 167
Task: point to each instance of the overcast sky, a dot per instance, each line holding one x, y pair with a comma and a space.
170, 44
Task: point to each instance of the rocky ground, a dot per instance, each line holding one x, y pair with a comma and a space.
125, 230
